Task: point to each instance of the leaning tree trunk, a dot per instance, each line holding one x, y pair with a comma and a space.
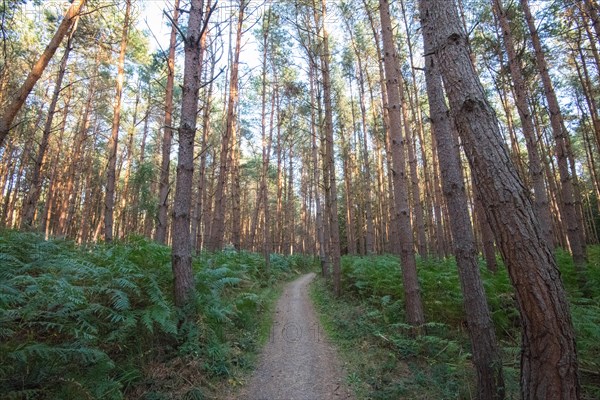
182, 245
8, 115
521, 99
486, 356
549, 357
163, 191
575, 233
412, 295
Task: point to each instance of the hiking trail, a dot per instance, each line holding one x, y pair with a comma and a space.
297, 362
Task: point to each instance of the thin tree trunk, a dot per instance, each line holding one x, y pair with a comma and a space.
412, 295
414, 102
218, 224
348, 166
440, 239
109, 201
197, 231
126, 200
393, 222
164, 187
331, 182
370, 231
574, 230
266, 155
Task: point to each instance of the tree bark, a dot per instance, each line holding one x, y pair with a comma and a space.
486, 356
536, 170
412, 295
392, 227
569, 212
109, 200
164, 186
182, 249
549, 357
331, 182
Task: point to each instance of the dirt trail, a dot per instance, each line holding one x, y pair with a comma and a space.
297, 363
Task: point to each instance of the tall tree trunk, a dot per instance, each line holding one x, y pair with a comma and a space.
416, 111
331, 182
164, 187
588, 88
440, 238
200, 218
262, 194
182, 248
486, 356
409, 142
574, 230
487, 236
31, 201
349, 198
8, 114
391, 206
412, 294
267, 247
369, 234
549, 356
109, 200
218, 224
536, 170
321, 225
126, 200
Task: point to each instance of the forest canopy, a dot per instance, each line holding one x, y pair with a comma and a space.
424, 129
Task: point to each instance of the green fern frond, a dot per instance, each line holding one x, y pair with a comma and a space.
119, 300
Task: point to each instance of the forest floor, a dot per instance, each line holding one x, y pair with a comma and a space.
297, 362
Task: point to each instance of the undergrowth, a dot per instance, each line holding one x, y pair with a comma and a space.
384, 361
98, 322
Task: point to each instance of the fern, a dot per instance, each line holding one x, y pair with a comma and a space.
75, 320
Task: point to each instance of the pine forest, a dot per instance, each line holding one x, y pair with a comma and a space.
171, 169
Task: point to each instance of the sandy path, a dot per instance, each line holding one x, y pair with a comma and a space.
297, 363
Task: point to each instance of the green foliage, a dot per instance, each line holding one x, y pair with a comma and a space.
94, 322
67, 315
368, 322
386, 361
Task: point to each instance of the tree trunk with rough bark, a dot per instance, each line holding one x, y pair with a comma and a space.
182, 248
549, 357
536, 170
486, 355
412, 293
